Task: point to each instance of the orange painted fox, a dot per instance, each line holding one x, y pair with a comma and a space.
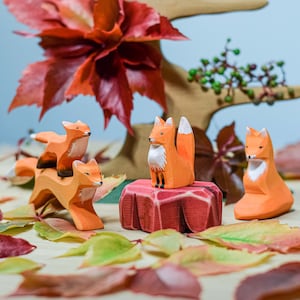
74, 193
266, 194
171, 166
62, 150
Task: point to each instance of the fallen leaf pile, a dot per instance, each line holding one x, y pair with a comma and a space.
109, 262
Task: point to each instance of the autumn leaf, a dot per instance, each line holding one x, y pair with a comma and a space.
54, 229
278, 283
210, 260
165, 241
287, 161
105, 248
169, 280
109, 183
17, 265
254, 236
95, 48
11, 246
9, 225
94, 282
21, 212
224, 164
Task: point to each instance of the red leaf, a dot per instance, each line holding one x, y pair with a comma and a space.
95, 282
11, 246
112, 89
279, 283
90, 51
57, 81
31, 88
37, 14
168, 280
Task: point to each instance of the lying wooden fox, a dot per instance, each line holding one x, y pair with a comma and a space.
171, 166
74, 193
62, 150
266, 194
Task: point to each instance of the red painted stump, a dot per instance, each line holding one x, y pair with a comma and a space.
188, 209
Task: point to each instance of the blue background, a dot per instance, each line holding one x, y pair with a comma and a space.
262, 35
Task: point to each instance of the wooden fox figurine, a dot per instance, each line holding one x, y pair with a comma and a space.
62, 150
266, 194
74, 193
171, 166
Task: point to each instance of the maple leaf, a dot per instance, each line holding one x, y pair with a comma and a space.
279, 283
97, 48
223, 164
254, 236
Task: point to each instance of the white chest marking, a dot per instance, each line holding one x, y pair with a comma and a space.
256, 167
78, 148
87, 194
157, 157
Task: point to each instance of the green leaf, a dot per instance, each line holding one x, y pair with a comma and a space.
166, 241
54, 229
106, 248
17, 265
211, 260
254, 236
8, 226
21, 212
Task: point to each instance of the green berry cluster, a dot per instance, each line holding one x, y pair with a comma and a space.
219, 74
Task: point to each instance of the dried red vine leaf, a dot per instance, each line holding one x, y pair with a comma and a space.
279, 283
223, 164
96, 48
11, 246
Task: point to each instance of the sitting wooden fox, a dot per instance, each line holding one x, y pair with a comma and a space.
62, 150
74, 193
266, 194
171, 166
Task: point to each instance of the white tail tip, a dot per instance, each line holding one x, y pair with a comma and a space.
184, 126
33, 136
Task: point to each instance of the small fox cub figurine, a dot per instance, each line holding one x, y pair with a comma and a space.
62, 150
171, 166
266, 194
74, 193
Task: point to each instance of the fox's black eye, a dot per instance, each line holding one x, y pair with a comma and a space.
86, 173
246, 146
260, 147
161, 133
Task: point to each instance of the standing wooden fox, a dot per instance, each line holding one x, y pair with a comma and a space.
171, 166
266, 194
75, 193
62, 150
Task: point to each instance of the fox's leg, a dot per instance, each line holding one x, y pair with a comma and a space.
162, 180
47, 160
157, 179
64, 167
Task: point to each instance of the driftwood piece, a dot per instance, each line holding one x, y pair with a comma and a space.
183, 97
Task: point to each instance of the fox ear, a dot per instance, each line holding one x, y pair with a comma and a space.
248, 130
66, 123
263, 132
158, 121
76, 163
169, 122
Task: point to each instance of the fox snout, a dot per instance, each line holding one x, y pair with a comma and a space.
151, 140
249, 156
98, 183
87, 133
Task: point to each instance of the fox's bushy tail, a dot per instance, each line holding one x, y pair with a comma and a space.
185, 141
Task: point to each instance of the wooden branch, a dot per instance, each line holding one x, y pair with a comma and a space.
174, 9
